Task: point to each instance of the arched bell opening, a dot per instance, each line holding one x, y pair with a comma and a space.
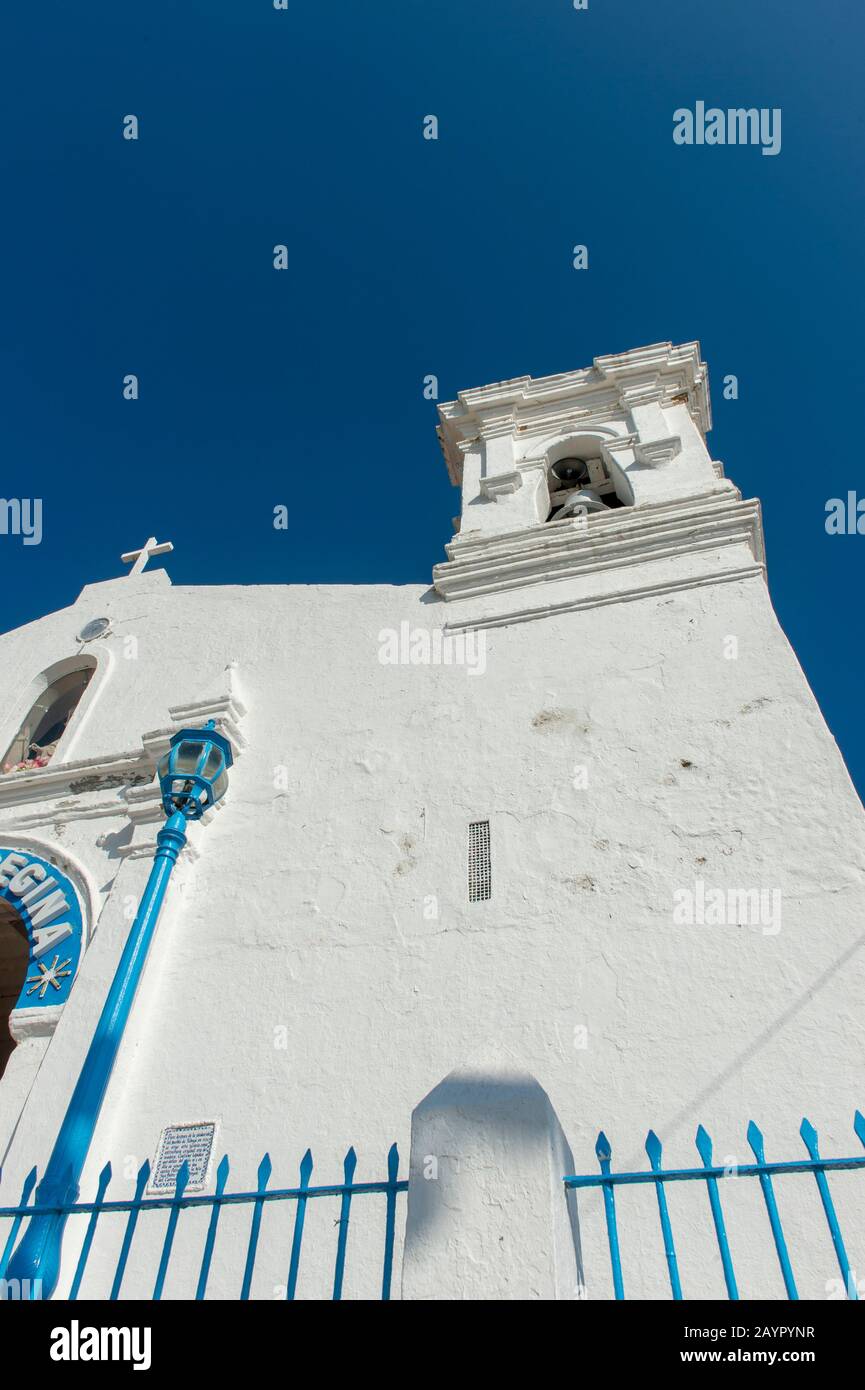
14, 965
580, 485
583, 478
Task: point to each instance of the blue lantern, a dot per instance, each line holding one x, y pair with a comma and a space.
193, 774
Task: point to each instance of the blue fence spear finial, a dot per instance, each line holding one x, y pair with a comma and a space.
755, 1139
809, 1137
704, 1146
654, 1149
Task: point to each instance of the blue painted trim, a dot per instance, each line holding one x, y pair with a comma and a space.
59, 962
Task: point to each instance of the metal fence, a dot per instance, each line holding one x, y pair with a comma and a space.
711, 1175
347, 1191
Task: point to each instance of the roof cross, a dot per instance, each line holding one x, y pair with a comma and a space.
138, 558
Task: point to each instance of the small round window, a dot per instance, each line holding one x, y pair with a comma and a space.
97, 627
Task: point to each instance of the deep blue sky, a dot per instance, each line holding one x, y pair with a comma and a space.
411, 257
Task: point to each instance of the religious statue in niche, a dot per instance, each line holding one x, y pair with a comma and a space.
37, 756
44, 726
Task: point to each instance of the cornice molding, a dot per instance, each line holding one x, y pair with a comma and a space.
660, 372
574, 547
75, 778
642, 391
528, 614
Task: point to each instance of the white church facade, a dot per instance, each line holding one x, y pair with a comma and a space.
559, 843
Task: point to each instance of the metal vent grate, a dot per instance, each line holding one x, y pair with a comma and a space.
480, 876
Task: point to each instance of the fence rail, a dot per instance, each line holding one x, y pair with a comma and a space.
710, 1174
216, 1200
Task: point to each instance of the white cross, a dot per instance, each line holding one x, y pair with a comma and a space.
138, 558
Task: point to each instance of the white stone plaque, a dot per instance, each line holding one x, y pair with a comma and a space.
192, 1143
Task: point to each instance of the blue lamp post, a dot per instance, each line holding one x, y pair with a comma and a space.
193, 776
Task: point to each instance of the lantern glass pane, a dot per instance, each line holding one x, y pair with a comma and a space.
162, 766
213, 766
220, 785
186, 757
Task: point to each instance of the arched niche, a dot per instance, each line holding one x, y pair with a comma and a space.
48, 713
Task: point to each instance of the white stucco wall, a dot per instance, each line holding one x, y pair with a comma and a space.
299, 991
305, 908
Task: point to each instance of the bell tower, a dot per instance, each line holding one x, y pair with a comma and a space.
569, 479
